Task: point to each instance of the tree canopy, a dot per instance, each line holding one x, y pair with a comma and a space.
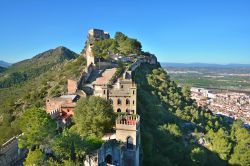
121, 44
35, 157
37, 127
93, 117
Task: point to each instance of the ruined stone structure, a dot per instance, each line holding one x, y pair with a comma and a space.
151, 60
10, 154
93, 35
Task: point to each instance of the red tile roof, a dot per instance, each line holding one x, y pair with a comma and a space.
105, 78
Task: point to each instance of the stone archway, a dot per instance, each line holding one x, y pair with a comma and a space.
108, 159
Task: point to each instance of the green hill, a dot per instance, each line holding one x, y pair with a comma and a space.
54, 68
175, 131
35, 66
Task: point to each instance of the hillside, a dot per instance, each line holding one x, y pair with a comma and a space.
35, 66
32, 91
177, 132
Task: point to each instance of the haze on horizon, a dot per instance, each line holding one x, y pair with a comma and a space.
175, 31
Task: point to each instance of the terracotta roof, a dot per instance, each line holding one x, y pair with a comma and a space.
105, 78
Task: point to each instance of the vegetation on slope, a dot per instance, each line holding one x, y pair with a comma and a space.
172, 126
32, 93
121, 44
35, 66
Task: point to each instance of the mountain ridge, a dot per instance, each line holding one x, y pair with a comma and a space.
31, 68
4, 64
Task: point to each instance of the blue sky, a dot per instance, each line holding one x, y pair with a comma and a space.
208, 31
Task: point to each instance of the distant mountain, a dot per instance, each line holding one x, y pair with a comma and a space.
4, 64
205, 65
30, 68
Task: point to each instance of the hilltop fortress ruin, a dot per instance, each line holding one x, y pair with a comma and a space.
122, 147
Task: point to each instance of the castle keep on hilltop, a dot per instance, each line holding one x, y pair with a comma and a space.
122, 147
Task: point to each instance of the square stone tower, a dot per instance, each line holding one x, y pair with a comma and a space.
128, 132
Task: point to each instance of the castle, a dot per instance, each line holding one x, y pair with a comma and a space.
122, 147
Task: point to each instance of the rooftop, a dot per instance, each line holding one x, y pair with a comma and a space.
72, 97
105, 78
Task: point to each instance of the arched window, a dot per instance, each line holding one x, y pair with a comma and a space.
130, 143
127, 110
104, 91
133, 92
119, 101
119, 110
127, 101
133, 102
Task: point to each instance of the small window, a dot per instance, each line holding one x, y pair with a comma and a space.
133, 92
133, 102
127, 110
119, 110
104, 92
127, 101
119, 101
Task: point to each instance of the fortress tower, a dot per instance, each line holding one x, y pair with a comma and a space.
128, 132
93, 35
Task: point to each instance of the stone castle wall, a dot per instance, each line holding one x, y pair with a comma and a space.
9, 152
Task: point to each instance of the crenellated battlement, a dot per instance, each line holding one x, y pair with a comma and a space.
130, 120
